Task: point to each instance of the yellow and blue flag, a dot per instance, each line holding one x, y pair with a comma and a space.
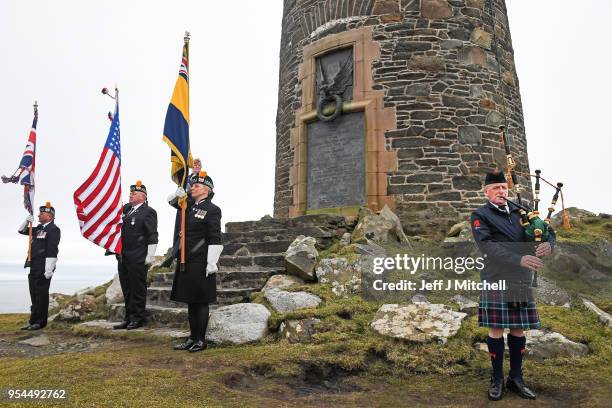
176, 127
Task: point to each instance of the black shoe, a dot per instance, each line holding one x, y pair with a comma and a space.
518, 386
197, 346
134, 325
26, 327
184, 346
496, 389
34, 326
121, 326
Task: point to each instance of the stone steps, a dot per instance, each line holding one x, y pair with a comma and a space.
160, 296
265, 240
276, 234
155, 315
265, 260
253, 248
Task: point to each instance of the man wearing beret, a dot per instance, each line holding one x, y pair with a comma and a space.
45, 242
498, 231
139, 242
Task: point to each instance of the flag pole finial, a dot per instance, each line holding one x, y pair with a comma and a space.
187, 37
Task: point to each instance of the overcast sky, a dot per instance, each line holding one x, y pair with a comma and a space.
62, 53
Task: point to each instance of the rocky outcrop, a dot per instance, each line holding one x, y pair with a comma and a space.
283, 301
238, 323
301, 258
465, 305
542, 345
548, 292
343, 276
422, 322
378, 227
604, 317
282, 282
298, 331
78, 309
114, 294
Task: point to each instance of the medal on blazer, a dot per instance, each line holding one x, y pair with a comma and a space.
200, 214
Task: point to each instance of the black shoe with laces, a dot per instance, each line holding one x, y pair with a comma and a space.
496, 389
184, 346
518, 386
197, 346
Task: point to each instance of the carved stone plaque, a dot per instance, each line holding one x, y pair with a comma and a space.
335, 69
336, 162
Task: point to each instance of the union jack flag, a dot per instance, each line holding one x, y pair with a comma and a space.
24, 175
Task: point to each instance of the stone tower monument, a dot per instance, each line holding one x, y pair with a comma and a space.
395, 102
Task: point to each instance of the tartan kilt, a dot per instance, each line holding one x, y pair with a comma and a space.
496, 312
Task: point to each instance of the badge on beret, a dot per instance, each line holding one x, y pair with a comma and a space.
138, 187
48, 208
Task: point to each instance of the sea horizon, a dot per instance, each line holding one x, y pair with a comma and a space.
69, 278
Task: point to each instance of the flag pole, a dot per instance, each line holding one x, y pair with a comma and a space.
183, 202
32, 204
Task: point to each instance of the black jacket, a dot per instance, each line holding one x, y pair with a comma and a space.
45, 244
202, 228
501, 237
139, 230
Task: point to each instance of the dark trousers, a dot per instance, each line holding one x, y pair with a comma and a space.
198, 320
39, 295
133, 279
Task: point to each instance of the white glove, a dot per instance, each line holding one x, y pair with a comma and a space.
150, 254
29, 219
50, 267
214, 252
179, 193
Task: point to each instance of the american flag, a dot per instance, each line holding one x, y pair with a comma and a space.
24, 175
98, 199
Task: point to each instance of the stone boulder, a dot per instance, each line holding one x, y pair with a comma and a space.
542, 345
460, 232
465, 305
420, 323
37, 341
301, 258
78, 309
55, 299
283, 301
343, 276
238, 323
549, 293
282, 282
298, 331
419, 298
114, 294
378, 227
86, 291
603, 316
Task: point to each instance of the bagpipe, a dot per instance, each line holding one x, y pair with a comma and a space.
536, 228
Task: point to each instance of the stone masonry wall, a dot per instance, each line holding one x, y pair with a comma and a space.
437, 68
